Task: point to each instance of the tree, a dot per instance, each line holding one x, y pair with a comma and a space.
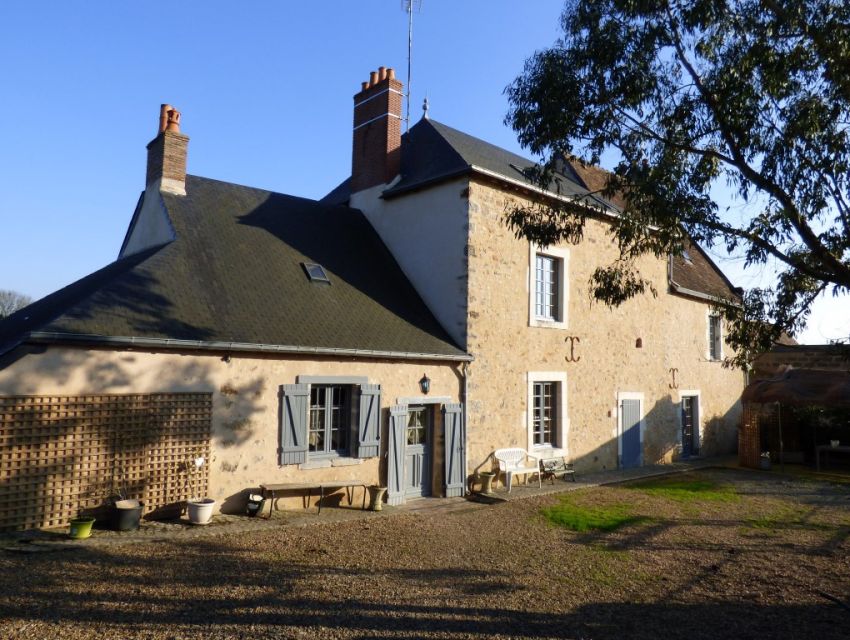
690, 94
11, 301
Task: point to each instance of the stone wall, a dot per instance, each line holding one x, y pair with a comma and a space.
672, 331
246, 404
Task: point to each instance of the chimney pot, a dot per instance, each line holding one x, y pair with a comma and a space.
173, 121
373, 78
391, 73
382, 74
364, 86
163, 116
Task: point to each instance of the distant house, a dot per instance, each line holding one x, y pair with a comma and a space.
395, 332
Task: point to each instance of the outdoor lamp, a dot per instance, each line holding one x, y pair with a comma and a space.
425, 384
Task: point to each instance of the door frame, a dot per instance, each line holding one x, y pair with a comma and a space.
426, 488
436, 402
629, 395
693, 393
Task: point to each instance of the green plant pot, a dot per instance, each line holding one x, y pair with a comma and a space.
81, 528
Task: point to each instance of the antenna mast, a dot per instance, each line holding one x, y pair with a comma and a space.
409, 6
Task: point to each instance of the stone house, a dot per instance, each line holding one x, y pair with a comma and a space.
394, 332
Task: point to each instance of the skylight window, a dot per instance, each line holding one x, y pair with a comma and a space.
315, 272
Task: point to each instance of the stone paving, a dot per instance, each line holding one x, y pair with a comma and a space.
181, 529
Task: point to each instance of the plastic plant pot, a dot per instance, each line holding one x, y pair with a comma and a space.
126, 515
200, 510
81, 528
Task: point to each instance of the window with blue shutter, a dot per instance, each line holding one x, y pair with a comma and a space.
293, 423
369, 421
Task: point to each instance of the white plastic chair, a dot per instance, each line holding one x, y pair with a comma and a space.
515, 461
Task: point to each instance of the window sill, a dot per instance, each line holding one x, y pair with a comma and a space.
542, 323
327, 463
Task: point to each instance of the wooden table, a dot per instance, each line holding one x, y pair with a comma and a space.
270, 491
828, 448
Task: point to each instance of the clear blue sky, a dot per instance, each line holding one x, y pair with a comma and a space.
265, 89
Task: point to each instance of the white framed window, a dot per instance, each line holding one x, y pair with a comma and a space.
329, 420
548, 278
715, 337
546, 417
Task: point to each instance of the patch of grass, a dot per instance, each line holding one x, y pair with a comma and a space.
684, 490
600, 518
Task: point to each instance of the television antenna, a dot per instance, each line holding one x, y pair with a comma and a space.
410, 6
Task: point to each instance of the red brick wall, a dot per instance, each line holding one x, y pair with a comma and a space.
376, 152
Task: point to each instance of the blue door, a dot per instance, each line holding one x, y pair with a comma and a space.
630, 434
417, 452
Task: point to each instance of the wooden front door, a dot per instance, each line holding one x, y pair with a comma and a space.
417, 451
690, 437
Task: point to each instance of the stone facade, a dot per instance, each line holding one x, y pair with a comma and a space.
246, 404
596, 350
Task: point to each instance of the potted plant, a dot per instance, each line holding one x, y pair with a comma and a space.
199, 510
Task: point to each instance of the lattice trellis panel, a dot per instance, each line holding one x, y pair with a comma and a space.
60, 455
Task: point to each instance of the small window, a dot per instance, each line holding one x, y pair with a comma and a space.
329, 425
715, 338
544, 413
315, 272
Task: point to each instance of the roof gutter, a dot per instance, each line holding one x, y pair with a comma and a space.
245, 347
677, 288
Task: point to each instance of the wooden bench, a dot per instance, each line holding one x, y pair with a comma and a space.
557, 468
271, 491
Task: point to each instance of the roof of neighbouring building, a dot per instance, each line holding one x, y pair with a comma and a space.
235, 274
433, 152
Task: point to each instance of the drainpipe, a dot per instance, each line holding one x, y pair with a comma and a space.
464, 372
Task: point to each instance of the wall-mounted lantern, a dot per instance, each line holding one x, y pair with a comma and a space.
425, 384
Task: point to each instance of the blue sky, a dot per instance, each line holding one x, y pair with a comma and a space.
265, 89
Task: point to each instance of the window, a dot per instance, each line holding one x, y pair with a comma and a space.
544, 413
316, 272
548, 287
715, 338
547, 411
330, 419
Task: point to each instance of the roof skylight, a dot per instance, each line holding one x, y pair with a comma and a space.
315, 272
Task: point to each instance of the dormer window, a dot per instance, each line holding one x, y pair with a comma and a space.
315, 272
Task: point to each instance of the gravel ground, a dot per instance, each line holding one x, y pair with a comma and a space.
773, 564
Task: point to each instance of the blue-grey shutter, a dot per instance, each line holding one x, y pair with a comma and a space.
397, 433
455, 450
631, 444
293, 423
369, 427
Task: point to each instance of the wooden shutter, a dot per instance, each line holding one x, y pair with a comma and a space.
397, 433
369, 427
455, 451
293, 423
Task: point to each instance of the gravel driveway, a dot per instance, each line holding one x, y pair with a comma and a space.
772, 564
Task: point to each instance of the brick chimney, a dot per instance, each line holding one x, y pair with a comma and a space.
167, 154
376, 153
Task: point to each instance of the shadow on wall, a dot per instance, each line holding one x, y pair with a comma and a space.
662, 440
116, 446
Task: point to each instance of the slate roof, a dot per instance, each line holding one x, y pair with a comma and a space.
433, 152
234, 274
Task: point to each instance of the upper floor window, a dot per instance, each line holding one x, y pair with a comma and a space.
548, 291
715, 337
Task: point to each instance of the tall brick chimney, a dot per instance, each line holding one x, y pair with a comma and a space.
167, 154
376, 153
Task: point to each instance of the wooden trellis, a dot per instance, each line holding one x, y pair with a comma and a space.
62, 455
